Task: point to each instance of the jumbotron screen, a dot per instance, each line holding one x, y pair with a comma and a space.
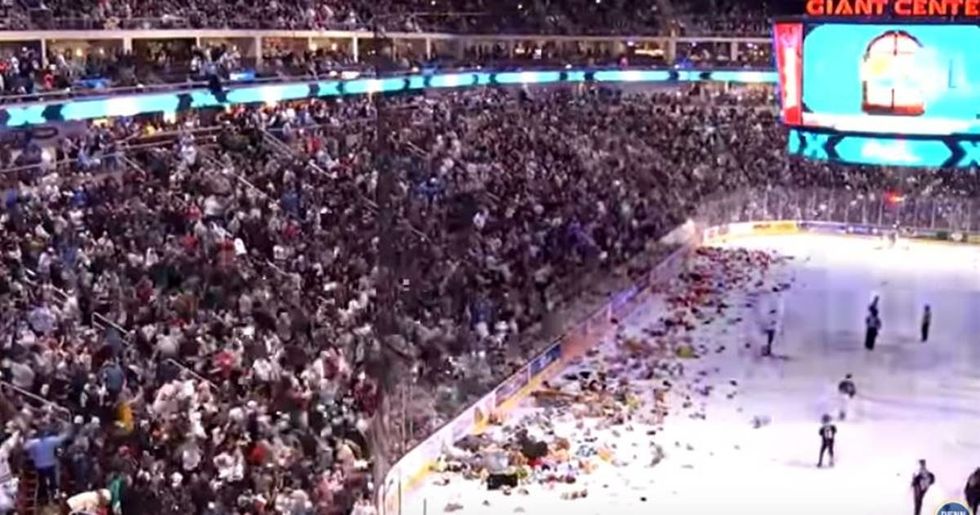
911, 79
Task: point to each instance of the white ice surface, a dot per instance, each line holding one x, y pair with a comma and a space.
915, 400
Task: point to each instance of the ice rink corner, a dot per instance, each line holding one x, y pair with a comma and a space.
741, 430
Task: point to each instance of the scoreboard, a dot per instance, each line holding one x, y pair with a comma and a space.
894, 78
910, 90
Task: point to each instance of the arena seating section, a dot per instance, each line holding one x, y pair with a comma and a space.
192, 301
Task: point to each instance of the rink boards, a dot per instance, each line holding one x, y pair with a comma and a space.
723, 233
409, 473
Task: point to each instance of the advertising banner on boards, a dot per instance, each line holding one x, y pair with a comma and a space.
823, 227
926, 234
549, 356
508, 388
774, 228
862, 230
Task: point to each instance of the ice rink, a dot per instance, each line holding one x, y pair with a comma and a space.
915, 400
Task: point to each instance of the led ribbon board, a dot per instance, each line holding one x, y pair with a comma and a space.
129, 105
893, 150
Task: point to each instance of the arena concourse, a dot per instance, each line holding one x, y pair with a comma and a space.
488, 299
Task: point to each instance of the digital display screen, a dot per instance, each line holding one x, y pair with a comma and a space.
891, 78
912, 151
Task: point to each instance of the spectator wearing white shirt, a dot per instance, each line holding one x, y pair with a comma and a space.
8, 482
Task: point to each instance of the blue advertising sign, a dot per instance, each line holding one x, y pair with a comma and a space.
862, 229
511, 386
550, 356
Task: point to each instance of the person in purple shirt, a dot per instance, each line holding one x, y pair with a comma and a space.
43, 451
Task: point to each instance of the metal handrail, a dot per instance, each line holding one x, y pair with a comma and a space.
53, 405
190, 371
106, 322
54, 165
134, 165
277, 143
244, 181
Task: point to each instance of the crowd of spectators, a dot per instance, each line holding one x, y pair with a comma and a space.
188, 363
472, 16
588, 17
201, 315
26, 72
25, 77
748, 18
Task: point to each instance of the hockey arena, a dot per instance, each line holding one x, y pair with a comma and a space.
747, 425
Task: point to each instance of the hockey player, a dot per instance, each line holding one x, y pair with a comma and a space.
769, 327
847, 391
972, 491
926, 322
769, 319
921, 482
828, 432
872, 326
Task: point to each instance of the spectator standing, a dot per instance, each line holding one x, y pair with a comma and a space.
43, 451
8, 483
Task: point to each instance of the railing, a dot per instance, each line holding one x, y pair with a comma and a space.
54, 407
929, 212
61, 171
202, 136
191, 372
280, 147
